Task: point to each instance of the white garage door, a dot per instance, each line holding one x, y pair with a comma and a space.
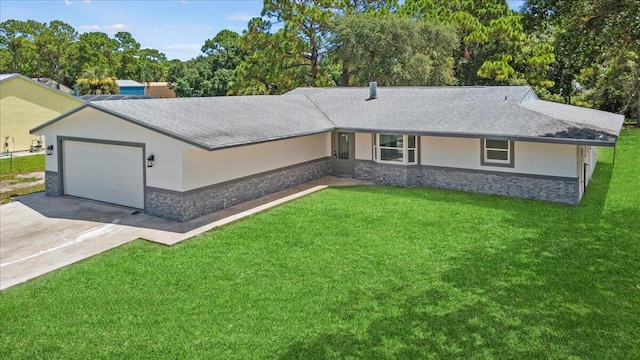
109, 173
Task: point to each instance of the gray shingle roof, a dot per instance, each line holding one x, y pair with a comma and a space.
219, 122
595, 119
510, 112
498, 111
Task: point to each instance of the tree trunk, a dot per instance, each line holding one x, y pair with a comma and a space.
16, 67
39, 63
345, 73
314, 64
58, 75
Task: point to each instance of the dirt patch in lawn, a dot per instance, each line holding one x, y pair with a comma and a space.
23, 180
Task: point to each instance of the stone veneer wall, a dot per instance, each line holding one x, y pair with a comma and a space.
184, 206
51, 183
548, 188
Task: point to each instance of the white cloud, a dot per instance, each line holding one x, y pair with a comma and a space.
87, 28
203, 29
104, 28
181, 51
117, 27
182, 47
239, 17
67, 2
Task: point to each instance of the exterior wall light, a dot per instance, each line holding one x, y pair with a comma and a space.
50, 150
150, 161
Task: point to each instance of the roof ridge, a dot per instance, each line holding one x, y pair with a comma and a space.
527, 91
319, 109
211, 122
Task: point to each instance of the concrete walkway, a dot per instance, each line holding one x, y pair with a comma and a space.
39, 234
21, 153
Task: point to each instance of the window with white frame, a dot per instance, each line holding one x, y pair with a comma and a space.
395, 149
497, 152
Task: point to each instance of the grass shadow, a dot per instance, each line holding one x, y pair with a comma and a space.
548, 296
567, 288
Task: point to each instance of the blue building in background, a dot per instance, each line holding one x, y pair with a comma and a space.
130, 87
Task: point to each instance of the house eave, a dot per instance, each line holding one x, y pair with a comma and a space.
57, 118
266, 140
175, 136
538, 139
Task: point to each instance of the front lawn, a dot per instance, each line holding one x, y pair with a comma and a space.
11, 169
21, 164
364, 272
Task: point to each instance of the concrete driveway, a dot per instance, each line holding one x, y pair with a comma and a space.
39, 234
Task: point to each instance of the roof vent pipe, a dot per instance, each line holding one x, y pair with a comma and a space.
373, 90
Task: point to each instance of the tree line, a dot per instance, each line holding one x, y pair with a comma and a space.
584, 52
56, 50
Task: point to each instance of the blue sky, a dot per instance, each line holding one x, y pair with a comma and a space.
176, 28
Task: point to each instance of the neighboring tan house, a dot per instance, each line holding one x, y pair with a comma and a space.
130, 87
161, 90
24, 104
54, 85
182, 158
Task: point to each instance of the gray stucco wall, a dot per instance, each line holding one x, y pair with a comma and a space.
547, 188
184, 206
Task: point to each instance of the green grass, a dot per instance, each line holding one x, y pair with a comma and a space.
365, 272
10, 167
5, 197
21, 164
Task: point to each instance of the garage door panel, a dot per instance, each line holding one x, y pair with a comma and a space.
104, 172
